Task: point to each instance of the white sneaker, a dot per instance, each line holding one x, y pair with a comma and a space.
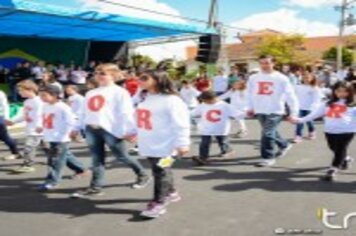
11, 157
282, 152
266, 163
154, 210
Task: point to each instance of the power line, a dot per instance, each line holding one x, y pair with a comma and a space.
169, 15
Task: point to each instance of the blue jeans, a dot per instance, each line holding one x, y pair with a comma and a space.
270, 135
96, 139
204, 148
300, 127
5, 137
59, 156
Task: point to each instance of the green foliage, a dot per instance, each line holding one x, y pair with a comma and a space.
285, 48
347, 55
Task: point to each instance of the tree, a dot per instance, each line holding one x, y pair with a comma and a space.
287, 49
347, 55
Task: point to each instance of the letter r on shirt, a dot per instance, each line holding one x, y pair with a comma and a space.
265, 88
336, 110
213, 116
144, 119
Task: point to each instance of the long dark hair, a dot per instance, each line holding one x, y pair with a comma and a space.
164, 84
350, 100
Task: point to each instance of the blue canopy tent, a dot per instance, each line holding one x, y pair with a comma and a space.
24, 18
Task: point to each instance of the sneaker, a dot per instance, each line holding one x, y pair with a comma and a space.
228, 154
83, 174
312, 136
200, 161
154, 210
25, 169
142, 182
330, 175
297, 139
347, 163
46, 187
283, 152
240, 134
133, 151
89, 192
12, 157
266, 163
173, 197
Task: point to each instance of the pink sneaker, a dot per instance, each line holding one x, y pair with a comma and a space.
312, 136
154, 210
173, 197
297, 139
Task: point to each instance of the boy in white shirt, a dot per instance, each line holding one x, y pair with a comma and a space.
189, 94
215, 121
76, 102
58, 123
108, 119
32, 115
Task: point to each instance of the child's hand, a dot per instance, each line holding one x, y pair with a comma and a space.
250, 113
9, 123
131, 138
182, 151
293, 120
39, 130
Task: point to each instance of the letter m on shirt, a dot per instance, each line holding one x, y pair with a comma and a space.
48, 121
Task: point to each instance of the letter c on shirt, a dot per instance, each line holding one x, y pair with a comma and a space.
213, 116
265, 88
95, 103
144, 119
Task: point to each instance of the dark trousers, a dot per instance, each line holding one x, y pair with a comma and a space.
270, 135
5, 137
300, 127
97, 138
338, 144
163, 180
204, 149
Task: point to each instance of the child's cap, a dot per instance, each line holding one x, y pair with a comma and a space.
52, 90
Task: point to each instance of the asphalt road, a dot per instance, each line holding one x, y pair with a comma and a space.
229, 197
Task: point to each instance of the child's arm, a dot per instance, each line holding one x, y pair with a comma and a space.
180, 125
126, 112
319, 112
196, 113
291, 99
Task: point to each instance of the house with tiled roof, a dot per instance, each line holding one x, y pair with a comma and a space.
244, 54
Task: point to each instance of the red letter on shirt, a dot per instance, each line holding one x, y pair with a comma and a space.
213, 116
264, 88
96, 103
48, 121
336, 110
144, 119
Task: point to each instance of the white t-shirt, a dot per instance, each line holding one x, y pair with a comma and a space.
58, 122
32, 115
309, 97
269, 93
190, 96
38, 71
214, 119
238, 99
111, 109
76, 103
79, 76
220, 83
4, 107
338, 118
163, 123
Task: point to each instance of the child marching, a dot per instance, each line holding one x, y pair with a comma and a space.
163, 128
340, 125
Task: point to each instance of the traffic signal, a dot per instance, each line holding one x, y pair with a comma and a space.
209, 48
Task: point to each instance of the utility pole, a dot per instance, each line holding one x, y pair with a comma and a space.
213, 13
345, 5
